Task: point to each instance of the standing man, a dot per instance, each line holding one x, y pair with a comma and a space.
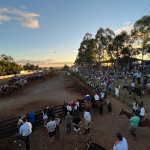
87, 117
57, 121
51, 126
25, 131
96, 99
134, 122
69, 108
76, 123
121, 143
32, 117
50, 112
68, 120
64, 106
142, 112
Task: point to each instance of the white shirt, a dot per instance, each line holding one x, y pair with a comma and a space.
20, 121
135, 106
25, 129
87, 116
132, 84
102, 95
69, 108
45, 116
77, 103
96, 97
121, 145
142, 111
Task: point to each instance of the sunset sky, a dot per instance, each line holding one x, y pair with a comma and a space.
49, 32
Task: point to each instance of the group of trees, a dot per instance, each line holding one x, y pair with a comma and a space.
65, 68
8, 66
108, 46
29, 66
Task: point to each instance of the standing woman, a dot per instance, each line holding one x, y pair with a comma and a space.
45, 117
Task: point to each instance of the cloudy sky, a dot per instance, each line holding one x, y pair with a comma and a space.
49, 33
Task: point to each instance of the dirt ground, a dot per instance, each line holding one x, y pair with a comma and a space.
55, 89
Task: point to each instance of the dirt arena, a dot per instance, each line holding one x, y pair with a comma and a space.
54, 90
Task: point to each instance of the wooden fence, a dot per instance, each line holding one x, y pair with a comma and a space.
9, 127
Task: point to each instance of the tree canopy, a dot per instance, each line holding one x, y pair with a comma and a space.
141, 35
8, 66
106, 45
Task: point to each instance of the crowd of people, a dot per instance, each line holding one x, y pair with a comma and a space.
52, 122
100, 80
104, 79
17, 82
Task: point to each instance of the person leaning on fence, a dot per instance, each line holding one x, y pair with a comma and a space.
51, 126
69, 108
50, 112
68, 120
58, 122
45, 117
24, 132
75, 109
64, 107
77, 103
20, 122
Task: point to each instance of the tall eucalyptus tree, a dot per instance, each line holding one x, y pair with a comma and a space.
115, 48
87, 51
121, 44
103, 37
141, 36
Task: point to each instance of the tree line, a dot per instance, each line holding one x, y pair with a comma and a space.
8, 66
109, 48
